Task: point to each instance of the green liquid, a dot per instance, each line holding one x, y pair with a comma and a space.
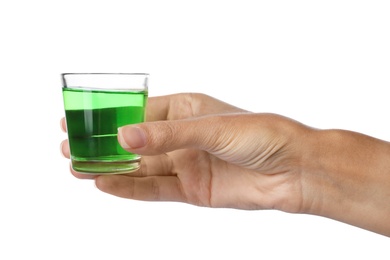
93, 118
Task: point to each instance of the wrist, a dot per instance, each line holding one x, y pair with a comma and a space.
347, 178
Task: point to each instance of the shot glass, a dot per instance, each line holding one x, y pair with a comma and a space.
96, 105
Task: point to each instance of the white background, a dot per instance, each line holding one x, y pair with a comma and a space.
324, 63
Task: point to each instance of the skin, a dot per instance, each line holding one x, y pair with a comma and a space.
199, 150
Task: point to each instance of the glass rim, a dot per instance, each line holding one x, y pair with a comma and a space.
104, 73
106, 81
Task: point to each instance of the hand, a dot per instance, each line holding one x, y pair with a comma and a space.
202, 151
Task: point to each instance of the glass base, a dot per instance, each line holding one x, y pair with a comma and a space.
106, 168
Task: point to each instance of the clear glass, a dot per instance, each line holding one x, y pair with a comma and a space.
96, 105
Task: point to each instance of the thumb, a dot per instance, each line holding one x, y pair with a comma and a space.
158, 137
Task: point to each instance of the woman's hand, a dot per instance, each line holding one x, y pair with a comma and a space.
202, 151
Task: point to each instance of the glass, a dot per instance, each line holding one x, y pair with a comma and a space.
96, 105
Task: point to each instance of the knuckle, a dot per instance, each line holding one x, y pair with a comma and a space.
163, 134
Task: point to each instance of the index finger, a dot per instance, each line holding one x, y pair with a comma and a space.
185, 105
157, 108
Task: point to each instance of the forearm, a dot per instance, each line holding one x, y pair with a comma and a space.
350, 173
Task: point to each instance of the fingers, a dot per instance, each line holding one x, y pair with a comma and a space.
154, 188
150, 188
158, 165
185, 105
158, 108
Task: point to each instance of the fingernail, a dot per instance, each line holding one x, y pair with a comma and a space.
131, 137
